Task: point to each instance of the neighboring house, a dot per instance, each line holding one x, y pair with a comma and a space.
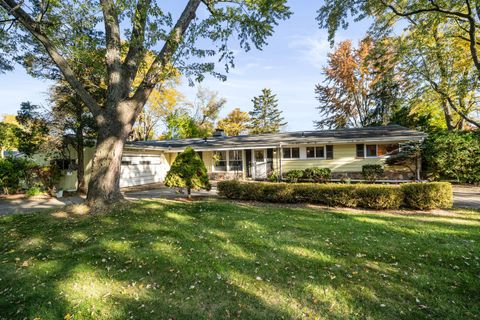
344, 151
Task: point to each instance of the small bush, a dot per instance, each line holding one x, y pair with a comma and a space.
372, 172
273, 176
293, 175
317, 174
34, 191
426, 196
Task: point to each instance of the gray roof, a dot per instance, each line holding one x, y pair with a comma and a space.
338, 136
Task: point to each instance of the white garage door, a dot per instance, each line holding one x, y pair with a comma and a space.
142, 169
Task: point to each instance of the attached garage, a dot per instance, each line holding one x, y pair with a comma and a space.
139, 169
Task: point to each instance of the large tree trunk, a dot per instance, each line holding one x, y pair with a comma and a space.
80, 169
104, 185
80, 144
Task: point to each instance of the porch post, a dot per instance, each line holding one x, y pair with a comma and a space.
280, 154
244, 164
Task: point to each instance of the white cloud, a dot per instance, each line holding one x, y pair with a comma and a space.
311, 49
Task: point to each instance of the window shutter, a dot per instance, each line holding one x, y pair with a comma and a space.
360, 151
330, 152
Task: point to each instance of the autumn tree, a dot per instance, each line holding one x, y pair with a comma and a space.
356, 91
443, 80
195, 119
162, 104
49, 33
465, 14
265, 116
235, 123
443, 37
206, 108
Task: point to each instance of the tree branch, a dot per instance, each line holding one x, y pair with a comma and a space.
136, 49
472, 34
434, 8
34, 28
164, 57
113, 51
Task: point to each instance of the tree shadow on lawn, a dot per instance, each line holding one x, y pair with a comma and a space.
213, 259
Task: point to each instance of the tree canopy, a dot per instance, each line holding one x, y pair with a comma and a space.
47, 36
435, 49
235, 123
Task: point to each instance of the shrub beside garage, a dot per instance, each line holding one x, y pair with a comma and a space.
370, 196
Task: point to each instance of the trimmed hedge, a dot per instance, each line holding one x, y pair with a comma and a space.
425, 196
345, 195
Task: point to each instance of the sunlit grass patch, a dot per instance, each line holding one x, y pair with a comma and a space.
159, 259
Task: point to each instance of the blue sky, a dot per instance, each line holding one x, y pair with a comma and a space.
290, 65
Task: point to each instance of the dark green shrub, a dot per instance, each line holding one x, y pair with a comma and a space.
279, 192
339, 195
379, 196
452, 156
293, 175
426, 196
230, 189
327, 194
13, 173
317, 174
372, 172
188, 171
257, 191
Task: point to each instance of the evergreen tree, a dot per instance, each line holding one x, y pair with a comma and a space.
188, 171
266, 117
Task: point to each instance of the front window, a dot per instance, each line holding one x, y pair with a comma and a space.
371, 150
220, 160
259, 155
315, 152
291, 153
235, 160
387, 149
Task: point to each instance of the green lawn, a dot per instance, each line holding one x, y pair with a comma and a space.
214, 259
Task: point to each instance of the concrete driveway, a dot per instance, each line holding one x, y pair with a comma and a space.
28, 205
466, 197
167, 193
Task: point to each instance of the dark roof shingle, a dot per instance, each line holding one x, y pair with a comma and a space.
380, 133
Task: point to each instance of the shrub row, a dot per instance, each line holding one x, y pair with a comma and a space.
309, 174
413, 195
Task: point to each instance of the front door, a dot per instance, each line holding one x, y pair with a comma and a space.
260, 164
248, 156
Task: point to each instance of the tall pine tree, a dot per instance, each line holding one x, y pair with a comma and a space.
265, 117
